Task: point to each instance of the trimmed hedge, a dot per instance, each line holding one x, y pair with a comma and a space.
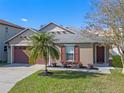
2, 62
116, 61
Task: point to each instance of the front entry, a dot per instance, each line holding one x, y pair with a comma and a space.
100, 54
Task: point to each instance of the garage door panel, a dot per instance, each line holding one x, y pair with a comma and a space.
20, 56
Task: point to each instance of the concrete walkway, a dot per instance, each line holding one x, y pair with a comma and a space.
11, 74
105, 70
102, 70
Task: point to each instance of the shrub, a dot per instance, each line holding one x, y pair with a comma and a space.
2, 62
54, 64
79, 65
116, 61
64, 65
90, 66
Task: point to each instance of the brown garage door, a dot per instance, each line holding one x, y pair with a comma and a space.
20, 56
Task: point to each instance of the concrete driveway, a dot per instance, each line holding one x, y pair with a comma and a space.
11, 74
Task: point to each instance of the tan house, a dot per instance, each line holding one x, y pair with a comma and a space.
75, 46
7, 30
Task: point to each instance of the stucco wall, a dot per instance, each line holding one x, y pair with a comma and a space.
59, 61
5, 33
56, 61
86, 54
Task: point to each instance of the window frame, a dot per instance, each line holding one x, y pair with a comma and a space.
68, 60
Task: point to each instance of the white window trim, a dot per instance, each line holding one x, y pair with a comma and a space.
70, 45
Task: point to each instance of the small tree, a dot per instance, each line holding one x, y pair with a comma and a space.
110, 14
43, 46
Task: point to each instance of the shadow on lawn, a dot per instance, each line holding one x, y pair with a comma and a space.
73, 74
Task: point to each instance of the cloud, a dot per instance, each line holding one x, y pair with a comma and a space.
24, 19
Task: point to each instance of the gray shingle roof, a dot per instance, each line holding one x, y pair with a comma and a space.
79, 37
76, 36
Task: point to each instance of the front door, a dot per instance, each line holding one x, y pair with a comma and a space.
100, 54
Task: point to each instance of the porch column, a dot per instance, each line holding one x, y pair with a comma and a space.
110, 55
11, 54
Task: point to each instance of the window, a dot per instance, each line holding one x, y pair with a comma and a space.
20, 36
20, 47
6, 29
24, 48
70, 53
15, 47
5, 48
64, 32
58, 32
25, 36
53, 32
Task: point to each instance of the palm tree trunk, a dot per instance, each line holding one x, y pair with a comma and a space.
46, 70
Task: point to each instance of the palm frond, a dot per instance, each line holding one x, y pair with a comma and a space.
43, 46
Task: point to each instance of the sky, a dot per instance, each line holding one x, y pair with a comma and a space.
34, 13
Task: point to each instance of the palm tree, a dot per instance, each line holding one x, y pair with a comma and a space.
43, 46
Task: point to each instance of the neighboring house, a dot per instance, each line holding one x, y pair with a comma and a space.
74, 46
7, 30
115, 51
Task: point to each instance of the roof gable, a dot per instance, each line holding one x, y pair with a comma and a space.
52, 27
20, 33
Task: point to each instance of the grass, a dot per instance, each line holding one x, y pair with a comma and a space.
71, 82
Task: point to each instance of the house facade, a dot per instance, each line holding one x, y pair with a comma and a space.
74, 46
7, 30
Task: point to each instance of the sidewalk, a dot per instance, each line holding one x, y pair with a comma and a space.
102, 70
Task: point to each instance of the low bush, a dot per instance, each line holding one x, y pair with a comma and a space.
116, 61
1, 61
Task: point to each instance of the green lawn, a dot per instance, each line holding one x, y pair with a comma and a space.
71, 82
